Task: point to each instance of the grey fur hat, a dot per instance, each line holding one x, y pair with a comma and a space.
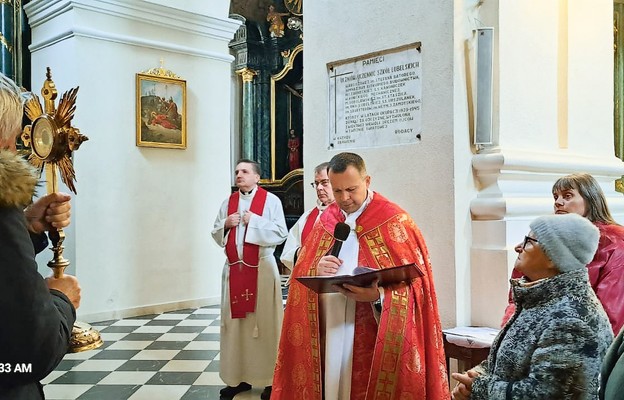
569, 240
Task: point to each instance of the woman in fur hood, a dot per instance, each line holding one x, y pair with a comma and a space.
554, 343
37, 314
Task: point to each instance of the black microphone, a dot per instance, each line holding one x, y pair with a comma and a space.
341, 232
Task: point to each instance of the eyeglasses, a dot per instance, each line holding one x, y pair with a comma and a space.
528, 239
324, 183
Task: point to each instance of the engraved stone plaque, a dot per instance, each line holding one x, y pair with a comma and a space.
375, 99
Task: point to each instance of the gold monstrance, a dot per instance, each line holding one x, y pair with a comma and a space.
52, 140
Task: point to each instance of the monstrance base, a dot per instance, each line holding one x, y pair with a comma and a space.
84, 338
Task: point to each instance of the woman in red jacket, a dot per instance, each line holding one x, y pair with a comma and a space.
581, 194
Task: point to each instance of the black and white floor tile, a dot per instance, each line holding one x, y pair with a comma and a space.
169, 356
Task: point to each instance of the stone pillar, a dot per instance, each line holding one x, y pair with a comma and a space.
247, 132
264, 152
10, 39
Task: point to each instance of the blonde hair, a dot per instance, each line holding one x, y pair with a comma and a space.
11, 108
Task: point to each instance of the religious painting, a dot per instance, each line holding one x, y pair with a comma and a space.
160, 111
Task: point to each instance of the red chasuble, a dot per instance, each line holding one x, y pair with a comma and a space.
307, 228
407, 358
243, 273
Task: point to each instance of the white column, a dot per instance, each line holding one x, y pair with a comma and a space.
515, 189
553, 116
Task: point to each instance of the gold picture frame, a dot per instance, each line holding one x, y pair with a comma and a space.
160, 109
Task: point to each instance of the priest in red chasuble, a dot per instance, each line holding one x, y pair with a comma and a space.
362, 343
249, 225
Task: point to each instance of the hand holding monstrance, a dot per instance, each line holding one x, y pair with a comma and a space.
52, 211
53, 140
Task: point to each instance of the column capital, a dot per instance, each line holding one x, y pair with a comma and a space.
247, 74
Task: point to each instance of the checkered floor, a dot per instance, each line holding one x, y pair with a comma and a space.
167, 356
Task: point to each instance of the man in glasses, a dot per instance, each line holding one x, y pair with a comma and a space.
302, 228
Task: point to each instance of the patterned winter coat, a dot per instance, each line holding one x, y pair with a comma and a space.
612, 373
553, 345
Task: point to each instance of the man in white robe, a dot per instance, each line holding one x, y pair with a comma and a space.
304, 225
339, 320
249, 340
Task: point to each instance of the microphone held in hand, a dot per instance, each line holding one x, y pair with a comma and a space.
341, 232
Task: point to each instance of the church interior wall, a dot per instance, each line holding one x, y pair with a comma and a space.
527, 80
465, 20
590, 77
142, 216
419, 176
556, 65
553, 115
140, 242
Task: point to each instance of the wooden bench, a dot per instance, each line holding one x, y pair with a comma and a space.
468, 345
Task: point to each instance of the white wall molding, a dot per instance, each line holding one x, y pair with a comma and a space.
193, 23
128, 40
517, 183
561, 162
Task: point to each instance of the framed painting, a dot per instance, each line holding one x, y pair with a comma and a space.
160, 111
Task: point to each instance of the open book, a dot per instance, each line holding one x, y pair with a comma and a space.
363, 277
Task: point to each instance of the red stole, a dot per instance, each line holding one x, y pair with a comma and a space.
243, 273
307, 228
403, 356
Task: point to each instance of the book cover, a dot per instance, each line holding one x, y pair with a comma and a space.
363, 277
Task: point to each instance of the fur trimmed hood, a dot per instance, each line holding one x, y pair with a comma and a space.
17, 180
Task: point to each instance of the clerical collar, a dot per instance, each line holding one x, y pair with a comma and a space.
248, 193
354, 215
321, 206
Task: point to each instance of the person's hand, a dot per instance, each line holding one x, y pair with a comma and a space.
247, 217
358, 293
463, 388
328, 266
232, 220
50, 211
68, 285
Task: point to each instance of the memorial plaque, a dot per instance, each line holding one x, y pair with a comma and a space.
375, 100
